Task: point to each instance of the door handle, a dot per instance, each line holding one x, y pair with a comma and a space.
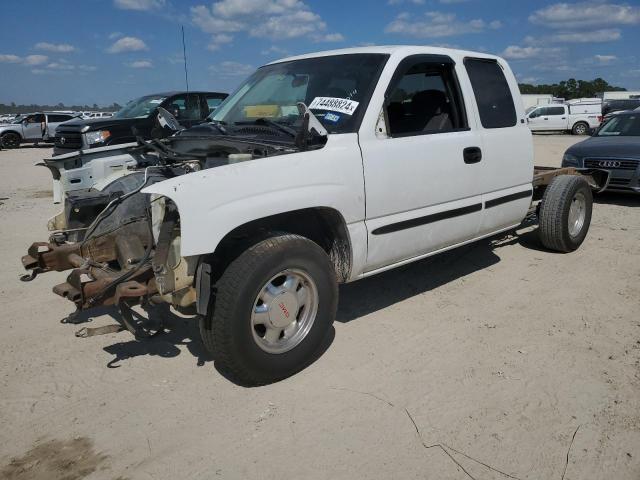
472, 154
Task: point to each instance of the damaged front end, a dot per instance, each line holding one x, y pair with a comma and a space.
123, 246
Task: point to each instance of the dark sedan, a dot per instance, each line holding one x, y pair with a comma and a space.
614, 147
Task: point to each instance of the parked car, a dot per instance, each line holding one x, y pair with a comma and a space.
32, 128
136, 119
578, 119
609, 106
615, 147
252, 219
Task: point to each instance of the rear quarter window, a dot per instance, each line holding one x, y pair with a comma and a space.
492, 93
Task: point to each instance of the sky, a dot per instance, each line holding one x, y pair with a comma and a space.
104, 51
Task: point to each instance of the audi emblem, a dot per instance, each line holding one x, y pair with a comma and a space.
62, 140
609, 164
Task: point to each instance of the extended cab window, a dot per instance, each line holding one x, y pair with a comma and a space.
492, 93
555, 110
424, 98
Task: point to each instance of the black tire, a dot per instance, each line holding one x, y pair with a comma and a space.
554, 229
580, 128
226, 330
11, 140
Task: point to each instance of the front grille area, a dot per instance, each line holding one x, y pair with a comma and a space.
611, 163
72, 140
619, 182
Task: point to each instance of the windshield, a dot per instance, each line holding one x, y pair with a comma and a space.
335, 88
140, 107
622, 126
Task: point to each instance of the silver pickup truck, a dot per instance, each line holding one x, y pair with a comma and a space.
33, 128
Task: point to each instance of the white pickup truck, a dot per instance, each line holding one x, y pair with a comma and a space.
320, 169
578, 119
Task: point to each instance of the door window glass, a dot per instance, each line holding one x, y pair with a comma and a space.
492, 93
424, 99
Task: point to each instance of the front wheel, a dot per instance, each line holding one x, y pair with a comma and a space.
273, 308
565, 213
10, 140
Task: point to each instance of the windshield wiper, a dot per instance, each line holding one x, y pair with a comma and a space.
270, 123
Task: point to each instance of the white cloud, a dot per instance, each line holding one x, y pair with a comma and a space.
605, 58
9, 58
399, 2
437, 24
61, 66
516, 52
29, 60
114, 35
32, 60
218, 40
586, 14
140, 64
585, 36
140, 5
231, 69
54, 47
274, 50
274, 19
127, 44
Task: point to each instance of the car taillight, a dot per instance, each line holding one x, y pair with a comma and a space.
600, 118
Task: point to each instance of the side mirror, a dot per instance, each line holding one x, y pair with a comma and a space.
166, 120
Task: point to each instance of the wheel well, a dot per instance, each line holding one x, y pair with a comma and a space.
10, 131
325, 226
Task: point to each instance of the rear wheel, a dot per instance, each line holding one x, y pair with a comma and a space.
10, 140
273, 308
580, 128
565, 213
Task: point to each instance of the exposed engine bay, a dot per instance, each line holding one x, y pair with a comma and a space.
123, 246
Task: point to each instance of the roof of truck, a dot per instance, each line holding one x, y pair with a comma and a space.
390, 50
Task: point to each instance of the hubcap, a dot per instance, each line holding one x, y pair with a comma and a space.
284, 311
581, 129
577, 214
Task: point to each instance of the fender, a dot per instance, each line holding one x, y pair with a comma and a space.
213, 202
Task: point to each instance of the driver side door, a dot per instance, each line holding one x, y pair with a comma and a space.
32, 127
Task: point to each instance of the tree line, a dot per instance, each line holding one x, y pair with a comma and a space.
572, 88
15, 109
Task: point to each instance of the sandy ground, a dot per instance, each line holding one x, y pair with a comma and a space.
499, 352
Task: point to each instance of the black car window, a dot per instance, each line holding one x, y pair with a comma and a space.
37, 118
184, 107
492, 93
58, 118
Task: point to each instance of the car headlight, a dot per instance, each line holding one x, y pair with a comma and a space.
100, 136
569, 160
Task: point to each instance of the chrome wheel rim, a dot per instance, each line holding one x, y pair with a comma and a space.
284, 311
580, 129
577, 214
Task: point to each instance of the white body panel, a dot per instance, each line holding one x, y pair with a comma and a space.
93, 166
215, 201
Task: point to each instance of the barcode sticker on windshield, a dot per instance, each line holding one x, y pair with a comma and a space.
341, 105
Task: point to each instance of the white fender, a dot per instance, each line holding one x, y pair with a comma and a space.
213, 202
